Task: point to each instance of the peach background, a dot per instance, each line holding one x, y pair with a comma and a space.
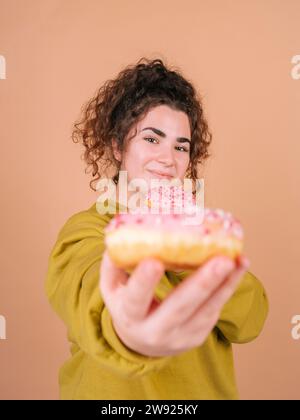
238, 54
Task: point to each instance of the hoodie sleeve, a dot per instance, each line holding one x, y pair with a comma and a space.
243, 316
72, 288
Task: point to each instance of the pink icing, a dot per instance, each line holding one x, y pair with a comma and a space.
214, 221
170, 196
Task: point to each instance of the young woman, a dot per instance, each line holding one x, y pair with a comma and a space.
148, 335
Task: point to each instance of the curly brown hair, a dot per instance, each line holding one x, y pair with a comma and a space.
121, 103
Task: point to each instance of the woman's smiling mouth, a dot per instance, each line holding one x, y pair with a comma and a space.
161, 175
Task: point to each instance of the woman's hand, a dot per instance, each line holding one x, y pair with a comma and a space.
183, 320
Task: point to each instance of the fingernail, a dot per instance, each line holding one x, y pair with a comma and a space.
246, 262
243, 261
223, 266
152, 265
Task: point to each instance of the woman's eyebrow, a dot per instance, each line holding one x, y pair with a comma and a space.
162, 134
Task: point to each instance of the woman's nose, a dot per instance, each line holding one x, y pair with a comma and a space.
166, 157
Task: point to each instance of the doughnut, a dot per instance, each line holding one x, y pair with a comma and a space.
169, 237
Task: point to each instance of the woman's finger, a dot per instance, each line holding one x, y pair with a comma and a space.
182, 302
213, 306
139, 292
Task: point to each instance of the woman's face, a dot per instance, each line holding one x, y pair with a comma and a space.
161, 147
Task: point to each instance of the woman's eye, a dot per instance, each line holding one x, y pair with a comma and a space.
182, 149
152, 140
149, 138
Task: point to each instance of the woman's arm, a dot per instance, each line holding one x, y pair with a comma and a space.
72, 288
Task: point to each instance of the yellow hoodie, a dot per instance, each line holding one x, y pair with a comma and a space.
101, 366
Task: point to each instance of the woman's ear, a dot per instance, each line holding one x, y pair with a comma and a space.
116, 151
